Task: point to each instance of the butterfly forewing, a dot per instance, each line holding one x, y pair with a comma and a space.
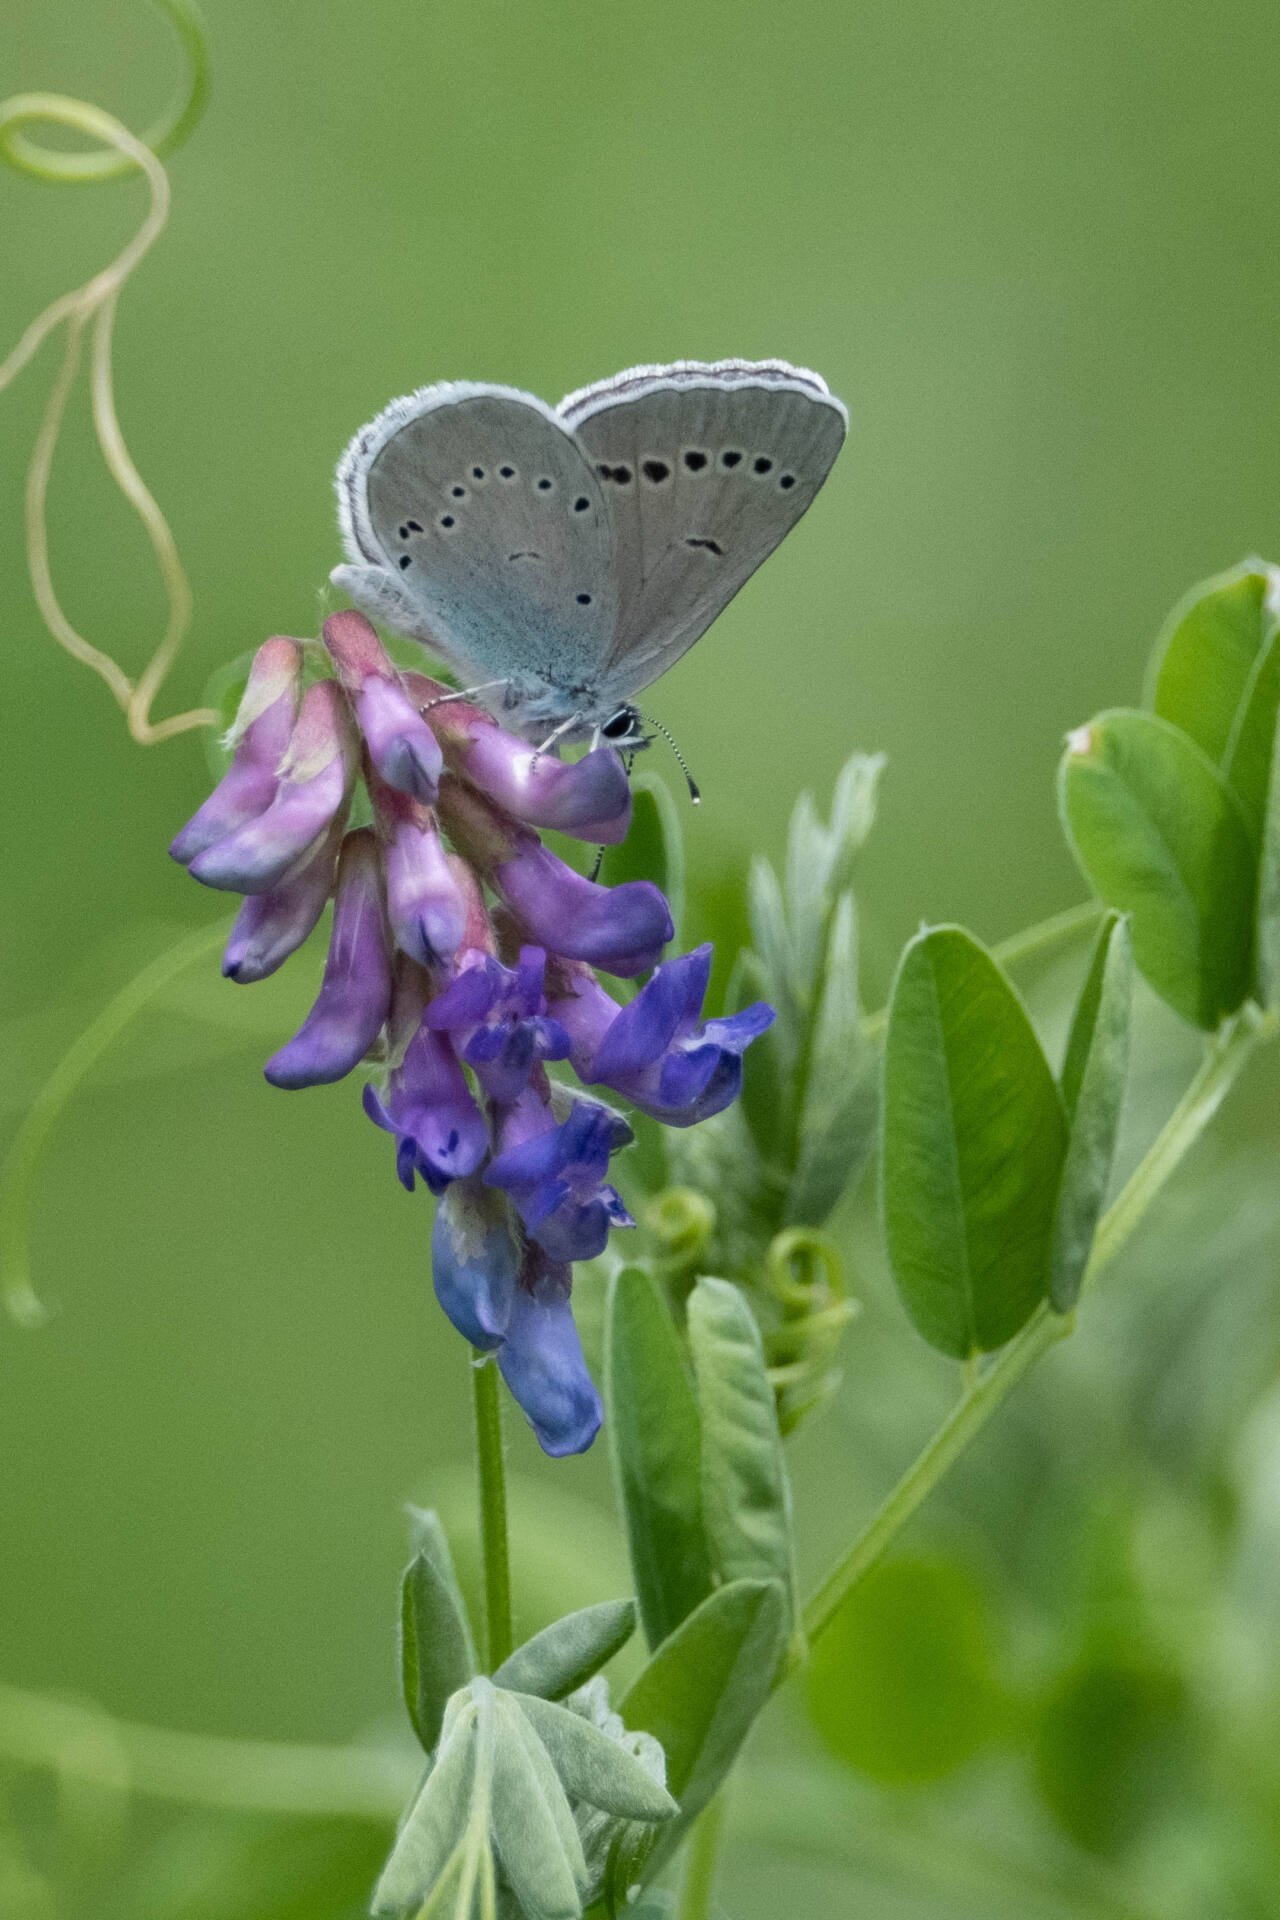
486, 516
704, 470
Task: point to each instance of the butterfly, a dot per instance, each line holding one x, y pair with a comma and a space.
561, 559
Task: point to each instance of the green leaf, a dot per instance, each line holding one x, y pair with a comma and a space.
835, 1130
1269, 890
703, 1688
772, 943
592, 1767
434, 1823
1160, 836
1205, 657
437, 1655
1093, 1078
746, 1495
765, 1097
654, 846
974, 1141
1248, 760
901, 1686
531, 1821
562, 1656
654, 1435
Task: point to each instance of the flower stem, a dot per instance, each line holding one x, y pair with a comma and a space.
700, 1863
1222, 1063
493, 1510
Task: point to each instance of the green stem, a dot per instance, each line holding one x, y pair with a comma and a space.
1220, 1067
700, 1863
493, 1510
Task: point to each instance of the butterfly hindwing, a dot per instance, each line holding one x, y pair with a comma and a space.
705, 469
472, 514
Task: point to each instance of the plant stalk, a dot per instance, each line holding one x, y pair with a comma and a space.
700, 1863
495, 1553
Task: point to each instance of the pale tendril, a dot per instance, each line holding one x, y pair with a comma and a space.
91, 308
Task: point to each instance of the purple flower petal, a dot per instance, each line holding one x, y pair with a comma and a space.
271, 926
644, 1030
429, 1106
355, 998
622, 929
401, 744
315, 783
590, 798
261, 732
427, 908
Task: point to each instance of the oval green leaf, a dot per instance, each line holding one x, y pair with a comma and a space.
1248, 760
656, 1445
703, 1688
1269, 889
1205, 657
437, 1655
568, 1652
746, 1495
1093, 1078
433, 1825
1160, 837
974, 1141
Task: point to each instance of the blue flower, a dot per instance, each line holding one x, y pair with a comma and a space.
476, 1253
555, 1176
655, 1050
497, 1017
440, 1131
541, 1359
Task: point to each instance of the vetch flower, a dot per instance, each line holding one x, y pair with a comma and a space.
589, 798
461, 954
355, 998
541, 1359
400, 743
425, 903
497, 1017
314, 784
476, 1253
270, 926
440, 1131
555, 1175
655, 1050
260, 735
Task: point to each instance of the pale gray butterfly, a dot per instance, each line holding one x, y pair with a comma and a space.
560, 559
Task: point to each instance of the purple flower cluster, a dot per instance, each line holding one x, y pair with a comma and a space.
462, 955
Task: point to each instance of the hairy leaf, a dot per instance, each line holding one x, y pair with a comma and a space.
974, 1141
654, 1434
565, 1654
437, 1655
531, 1822
592, 1767
1161, 837
434, 1823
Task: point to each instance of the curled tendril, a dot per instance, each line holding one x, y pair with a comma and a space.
804, 1275
91, 308
682, 1222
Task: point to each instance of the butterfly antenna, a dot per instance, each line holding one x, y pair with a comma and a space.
695, 793
596, 864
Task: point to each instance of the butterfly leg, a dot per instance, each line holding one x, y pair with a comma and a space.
464, 693
552, 737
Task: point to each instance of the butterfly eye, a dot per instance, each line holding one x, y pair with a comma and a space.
619, 725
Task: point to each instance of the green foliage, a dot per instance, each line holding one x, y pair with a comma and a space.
1092, 1082
654, 846
654, 1435
974, 1142
567, 1653
901, 1688
1162, 838
1206, 659
746, 1493
437, 1653
1109, 1743
703, 1688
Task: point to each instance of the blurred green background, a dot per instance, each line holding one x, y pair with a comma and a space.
1033, 247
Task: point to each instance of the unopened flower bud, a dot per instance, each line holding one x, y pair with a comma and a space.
541, 1359
427, 908
401, 745
270, 926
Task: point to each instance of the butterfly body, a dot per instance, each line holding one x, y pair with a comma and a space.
560, 559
